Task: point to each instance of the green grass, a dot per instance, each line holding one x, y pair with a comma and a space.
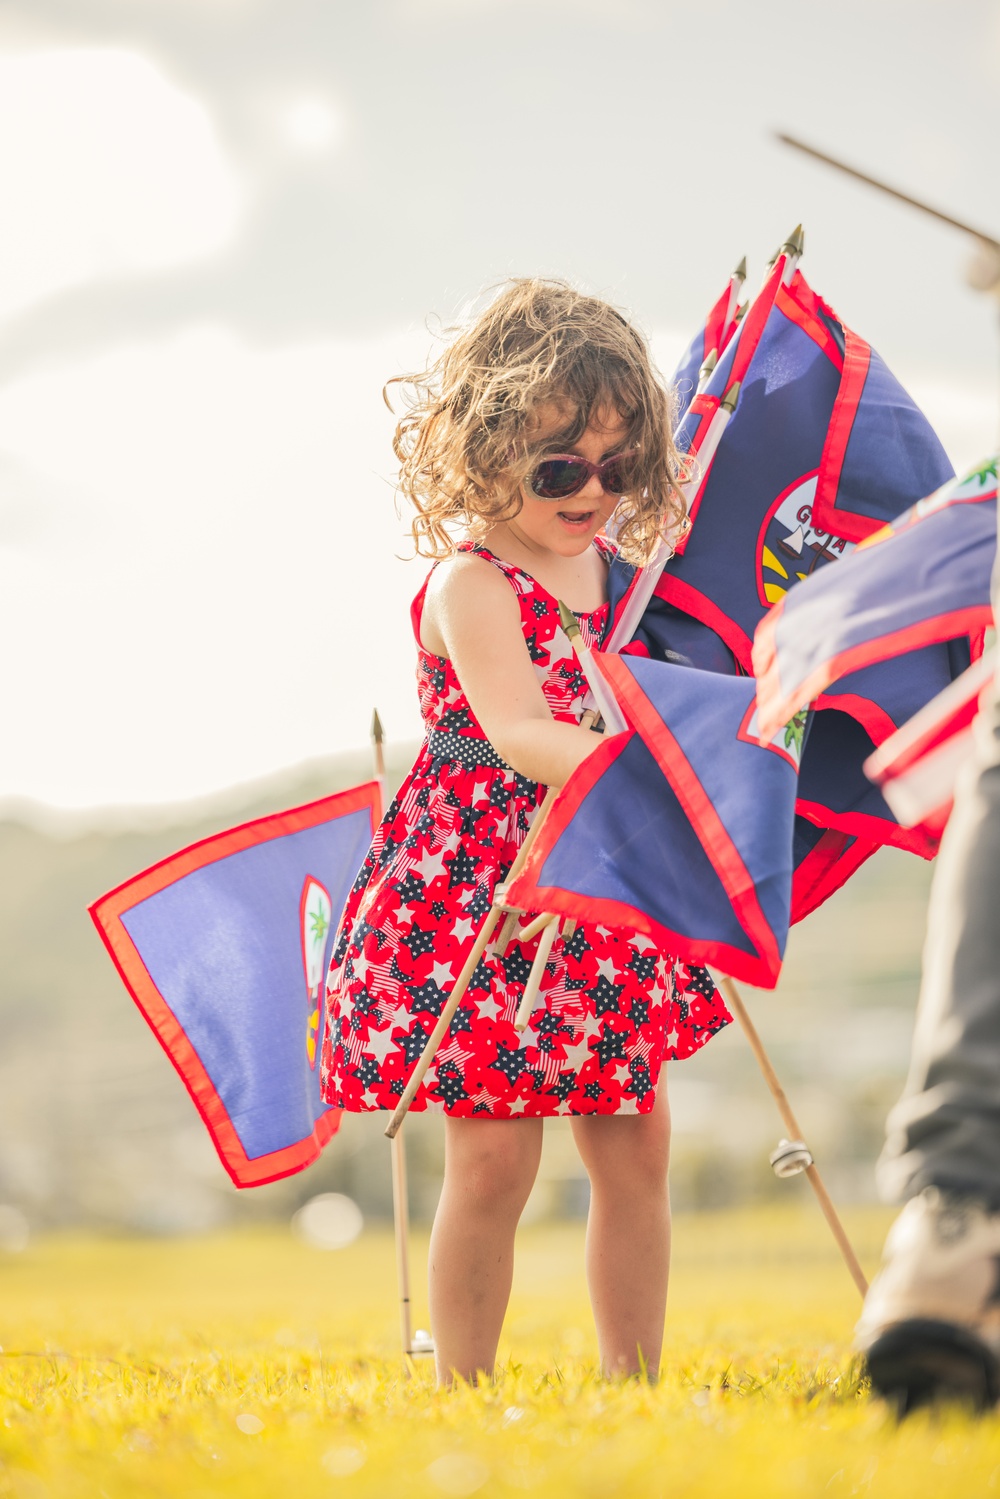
246, 1364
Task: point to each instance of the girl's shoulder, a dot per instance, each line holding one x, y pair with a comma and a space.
463, 588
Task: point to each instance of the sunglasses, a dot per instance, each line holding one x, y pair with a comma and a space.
565, 474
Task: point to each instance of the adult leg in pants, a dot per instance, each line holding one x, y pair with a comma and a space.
931, 1322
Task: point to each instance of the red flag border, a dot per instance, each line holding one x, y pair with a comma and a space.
761, 968
107, 912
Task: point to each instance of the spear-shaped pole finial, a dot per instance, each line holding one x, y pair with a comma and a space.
568, 620
732, 395
377, 736
705, 373
795, 242
736, 281
614, 720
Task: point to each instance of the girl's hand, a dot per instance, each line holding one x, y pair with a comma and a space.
471, 616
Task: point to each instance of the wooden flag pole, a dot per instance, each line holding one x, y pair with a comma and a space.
493, 917
400, 1199
497, 912
736, 1005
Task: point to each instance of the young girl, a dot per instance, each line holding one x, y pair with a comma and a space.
539, 423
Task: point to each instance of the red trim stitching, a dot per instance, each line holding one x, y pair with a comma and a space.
826, 516
700, 810
106, 913
935, 631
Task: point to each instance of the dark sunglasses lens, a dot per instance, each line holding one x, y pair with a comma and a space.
558, 478
617, 477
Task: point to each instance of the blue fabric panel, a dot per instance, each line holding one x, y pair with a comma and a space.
752, 789
223, 947
671, 635
630, 841
893, 455
775, 437
932, 567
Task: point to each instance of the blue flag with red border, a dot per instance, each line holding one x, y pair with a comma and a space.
823, 448
224, 947
682, 827
923, 579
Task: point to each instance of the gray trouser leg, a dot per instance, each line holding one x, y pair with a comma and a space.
945, 1130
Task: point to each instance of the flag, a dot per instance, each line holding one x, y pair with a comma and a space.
922, 579
821, 449
712, 336
224, 947
917, 768
682, 827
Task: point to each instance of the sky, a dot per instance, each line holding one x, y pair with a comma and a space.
224, 224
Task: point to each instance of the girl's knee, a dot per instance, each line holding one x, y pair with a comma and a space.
492, 1162
627, 1155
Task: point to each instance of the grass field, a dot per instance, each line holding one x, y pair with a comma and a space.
251, 1365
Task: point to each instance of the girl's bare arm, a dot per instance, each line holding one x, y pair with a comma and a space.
471, 616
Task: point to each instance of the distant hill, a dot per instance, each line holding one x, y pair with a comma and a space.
94, 1124
96, 1127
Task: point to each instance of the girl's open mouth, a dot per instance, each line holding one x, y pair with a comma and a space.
578, 519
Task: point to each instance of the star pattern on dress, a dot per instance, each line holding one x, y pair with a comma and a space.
479, 904
412, 1046
510, 1061
380, 1044
610, 1046
611, 1006
428, 996
563, 1086
605, 996
368, 1071
642, 964
450, 1085
516, 966
639, 1012
420, 940
462, 869
577, 946
411, 888
482, 976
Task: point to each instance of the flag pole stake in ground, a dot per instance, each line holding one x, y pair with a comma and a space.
792, 1155
400, 1199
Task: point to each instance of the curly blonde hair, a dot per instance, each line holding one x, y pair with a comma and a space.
466, 442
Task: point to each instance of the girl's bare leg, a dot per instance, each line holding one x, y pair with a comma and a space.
628, 1232
489, 1168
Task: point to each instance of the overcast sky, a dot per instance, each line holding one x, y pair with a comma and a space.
223, 225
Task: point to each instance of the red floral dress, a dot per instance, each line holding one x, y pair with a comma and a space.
612, 1007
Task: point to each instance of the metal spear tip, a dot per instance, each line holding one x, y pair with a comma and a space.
795, 242
568, 620
378, 733
711, 360
740, 273
732, 395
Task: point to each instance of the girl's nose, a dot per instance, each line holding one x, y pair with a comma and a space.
593, 490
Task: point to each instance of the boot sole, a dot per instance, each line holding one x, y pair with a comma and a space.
922, 1362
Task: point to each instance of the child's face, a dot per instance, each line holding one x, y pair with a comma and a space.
568, 527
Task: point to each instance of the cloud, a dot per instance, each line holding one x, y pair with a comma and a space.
106, 168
